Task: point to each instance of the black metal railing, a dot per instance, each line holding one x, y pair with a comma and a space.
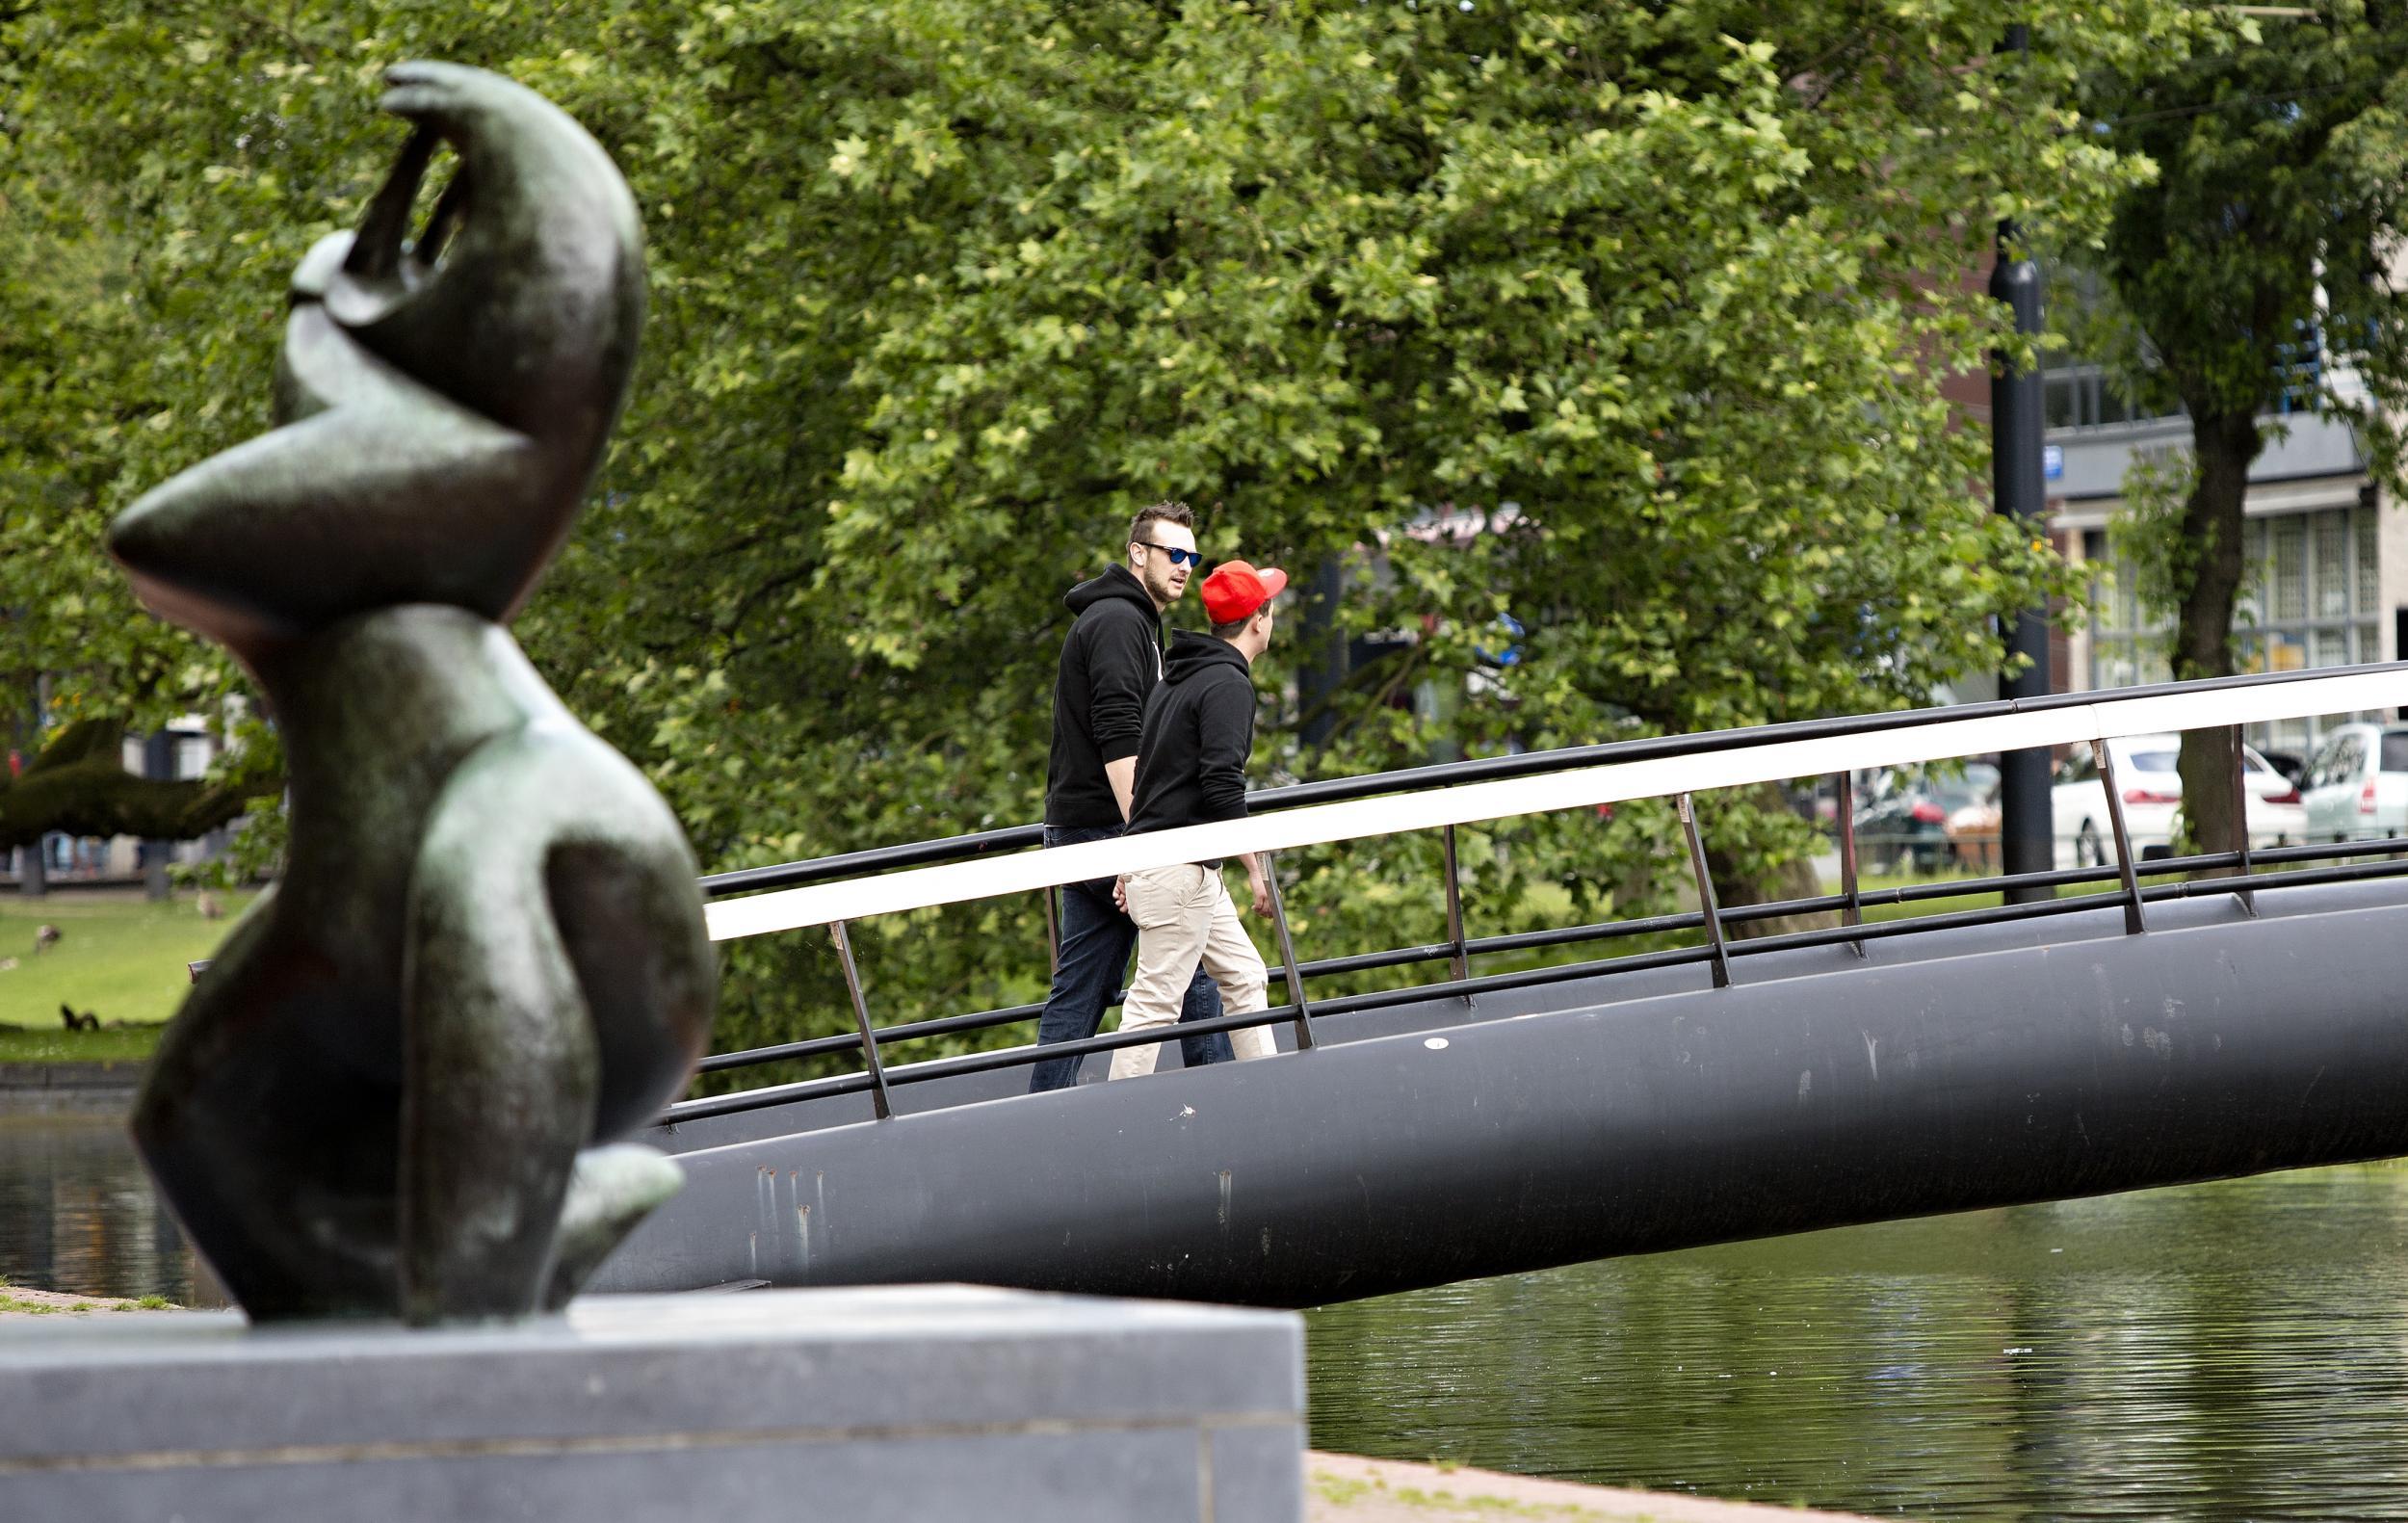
1471, 988
1493, 768
1457, 949
1716, 953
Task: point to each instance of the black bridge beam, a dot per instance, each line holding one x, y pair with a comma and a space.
1983, 1066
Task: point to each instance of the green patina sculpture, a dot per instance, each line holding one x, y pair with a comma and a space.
399, 1088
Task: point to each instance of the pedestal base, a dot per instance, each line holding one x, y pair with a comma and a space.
910, 1402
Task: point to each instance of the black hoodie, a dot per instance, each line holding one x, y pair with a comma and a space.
1111, 659
1199, 730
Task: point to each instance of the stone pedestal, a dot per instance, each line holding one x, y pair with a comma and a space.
911, 1403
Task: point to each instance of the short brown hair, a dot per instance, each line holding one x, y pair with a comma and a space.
1177, 512
1235, 627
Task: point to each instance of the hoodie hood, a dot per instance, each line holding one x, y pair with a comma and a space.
1118, 582
1193, 653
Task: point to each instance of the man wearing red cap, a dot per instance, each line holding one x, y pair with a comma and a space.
1191, 756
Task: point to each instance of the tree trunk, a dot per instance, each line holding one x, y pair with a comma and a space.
33, 874
79, 784
2225, 444
158, 766
1321, 668
1790, 879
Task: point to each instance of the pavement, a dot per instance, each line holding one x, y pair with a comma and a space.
109, 1084
19, 1300
1346, 1488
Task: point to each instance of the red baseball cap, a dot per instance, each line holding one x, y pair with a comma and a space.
1236, 590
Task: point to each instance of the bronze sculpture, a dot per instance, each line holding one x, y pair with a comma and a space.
397, 1089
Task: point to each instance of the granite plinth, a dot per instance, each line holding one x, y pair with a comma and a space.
901, 1402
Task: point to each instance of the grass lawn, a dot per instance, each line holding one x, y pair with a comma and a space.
1988, 899
117, 955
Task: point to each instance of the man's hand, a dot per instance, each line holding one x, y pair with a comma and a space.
1120, 893
1259, 882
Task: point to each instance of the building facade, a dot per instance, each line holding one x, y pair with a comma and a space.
2327, 556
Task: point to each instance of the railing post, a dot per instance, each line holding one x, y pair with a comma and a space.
1706, 896
879, 1099
2136, 918
1852, 906
1053, 933
1461, 962
1287, 956
2240, 827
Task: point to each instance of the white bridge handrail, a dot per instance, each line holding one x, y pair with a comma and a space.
1611, 783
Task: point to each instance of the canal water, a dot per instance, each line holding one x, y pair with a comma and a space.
2234, 1351
78, 1213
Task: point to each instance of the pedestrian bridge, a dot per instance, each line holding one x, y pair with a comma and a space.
2136, 1033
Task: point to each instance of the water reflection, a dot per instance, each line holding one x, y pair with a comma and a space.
2222, 1351
78, 1212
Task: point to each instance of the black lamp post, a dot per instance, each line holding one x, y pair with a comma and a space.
2025, 824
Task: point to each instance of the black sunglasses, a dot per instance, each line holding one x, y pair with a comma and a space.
1177, 556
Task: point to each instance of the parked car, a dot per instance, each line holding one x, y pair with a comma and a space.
2152, 789
1903, 816
2356, 787
1974, 835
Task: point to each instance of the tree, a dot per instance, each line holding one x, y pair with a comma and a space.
79, 665
2259, 259
943, 289
79, 784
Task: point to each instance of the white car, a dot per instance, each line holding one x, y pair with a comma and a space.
2356, 786
2153, 797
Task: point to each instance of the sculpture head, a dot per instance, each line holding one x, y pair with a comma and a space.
522, 294
445, 399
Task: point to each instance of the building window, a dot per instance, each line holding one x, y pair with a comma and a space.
2128, 644
2309, 597
2081, 396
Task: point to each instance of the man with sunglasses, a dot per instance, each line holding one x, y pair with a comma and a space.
1110, 665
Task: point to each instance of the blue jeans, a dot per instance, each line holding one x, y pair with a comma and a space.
1096, 940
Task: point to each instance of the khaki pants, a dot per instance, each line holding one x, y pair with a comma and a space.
1184, 916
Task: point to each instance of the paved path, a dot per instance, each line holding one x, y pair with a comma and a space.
17, 1301
1344, 1489
109, 1084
